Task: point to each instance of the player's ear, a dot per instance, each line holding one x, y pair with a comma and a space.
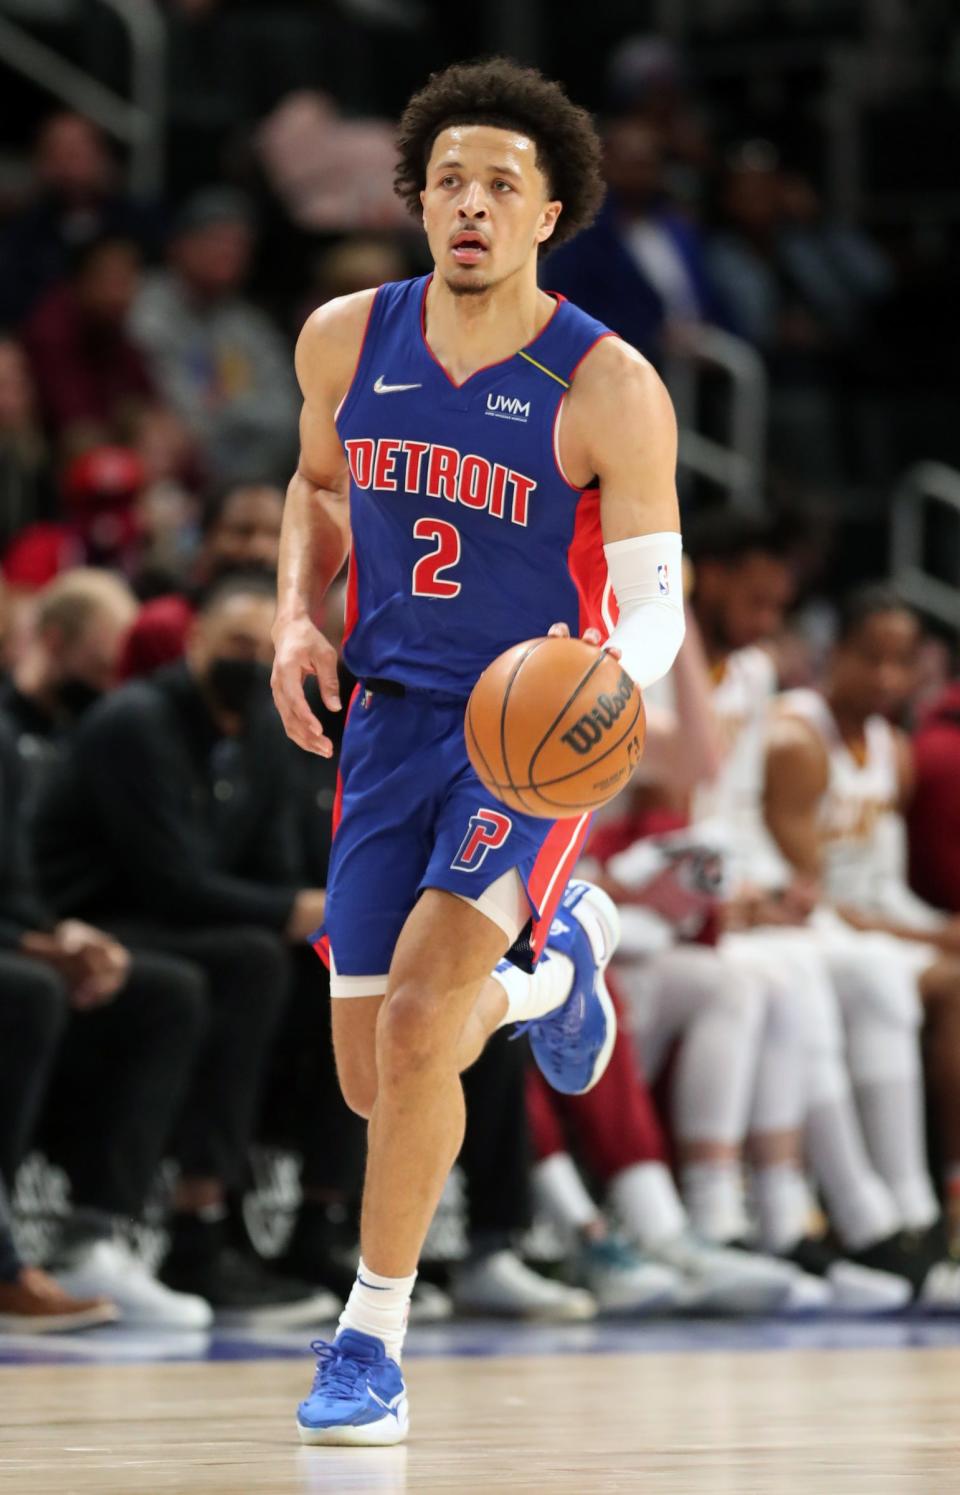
548, 220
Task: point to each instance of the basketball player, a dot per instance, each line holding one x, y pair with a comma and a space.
838, 781
851, 1011
490, 457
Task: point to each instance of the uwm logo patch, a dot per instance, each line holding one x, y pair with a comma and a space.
487, 831
508, 407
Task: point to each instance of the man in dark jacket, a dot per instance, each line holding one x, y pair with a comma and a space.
171, 826
96, 1048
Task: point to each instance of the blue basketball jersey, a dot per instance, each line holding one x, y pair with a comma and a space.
467, 536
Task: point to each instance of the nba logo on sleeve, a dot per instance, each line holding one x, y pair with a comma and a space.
487, 831
663, 579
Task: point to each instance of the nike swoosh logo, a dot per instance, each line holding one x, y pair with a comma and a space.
392, 1407
391, 389
372, 1285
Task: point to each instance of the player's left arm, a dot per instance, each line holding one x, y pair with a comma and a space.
623, 429
902, 912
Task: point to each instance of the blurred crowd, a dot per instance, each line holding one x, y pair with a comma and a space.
784, 1088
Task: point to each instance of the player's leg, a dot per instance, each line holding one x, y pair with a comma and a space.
781, 1201
860, 1205
443, 956
877, 986
715, 1009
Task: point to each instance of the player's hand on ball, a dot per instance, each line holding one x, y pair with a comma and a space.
302, 650
591, 636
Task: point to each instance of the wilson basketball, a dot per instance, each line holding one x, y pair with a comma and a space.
555, 727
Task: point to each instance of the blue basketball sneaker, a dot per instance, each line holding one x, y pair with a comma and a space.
573, 1043
358, 1395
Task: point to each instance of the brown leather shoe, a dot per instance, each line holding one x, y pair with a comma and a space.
36, 1304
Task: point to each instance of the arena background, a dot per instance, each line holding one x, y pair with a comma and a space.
800, 156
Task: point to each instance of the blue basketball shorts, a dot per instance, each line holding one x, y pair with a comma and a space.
411, 814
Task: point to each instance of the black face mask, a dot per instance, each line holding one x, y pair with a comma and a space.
236, 683
76, 696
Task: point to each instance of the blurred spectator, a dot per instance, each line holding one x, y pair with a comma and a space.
27, 492
95, 1052
799, 288
840, 271
101, 524
68, 659
78, 201
31, 1302
331, 174
357, 264
168, 504
218, 360
172, 820
640, 267
91, 379
744, 256
934, 812
241, 532
647, 82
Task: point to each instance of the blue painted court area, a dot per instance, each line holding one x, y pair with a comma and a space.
118, 1346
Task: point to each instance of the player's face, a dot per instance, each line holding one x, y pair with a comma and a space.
744, 603
875, 669
485, 206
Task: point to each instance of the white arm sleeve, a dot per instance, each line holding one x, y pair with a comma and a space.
646, 576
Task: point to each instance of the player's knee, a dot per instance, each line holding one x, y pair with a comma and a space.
410, 1041
738, 995
785, 1023
940, 989
880, 989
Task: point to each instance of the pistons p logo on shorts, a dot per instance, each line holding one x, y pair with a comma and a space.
487, 831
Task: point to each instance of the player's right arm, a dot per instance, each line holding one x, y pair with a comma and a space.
797, 774
315, 534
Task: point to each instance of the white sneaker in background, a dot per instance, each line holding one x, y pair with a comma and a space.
429, 1304
724, 1279
110, 1269
503, 1285
624, 1280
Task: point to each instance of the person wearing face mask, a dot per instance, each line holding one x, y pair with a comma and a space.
68, 660
171, 823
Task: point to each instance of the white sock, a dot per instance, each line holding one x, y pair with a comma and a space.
562, 1194
782, 1205
893, 1124
533, 996
646, 1199
858, 1202
713, 1195
379, 1306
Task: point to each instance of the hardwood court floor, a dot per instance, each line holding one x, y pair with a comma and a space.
806, 1422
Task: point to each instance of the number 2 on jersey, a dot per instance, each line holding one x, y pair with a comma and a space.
427, 578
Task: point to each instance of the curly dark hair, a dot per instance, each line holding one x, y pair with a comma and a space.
498, 92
